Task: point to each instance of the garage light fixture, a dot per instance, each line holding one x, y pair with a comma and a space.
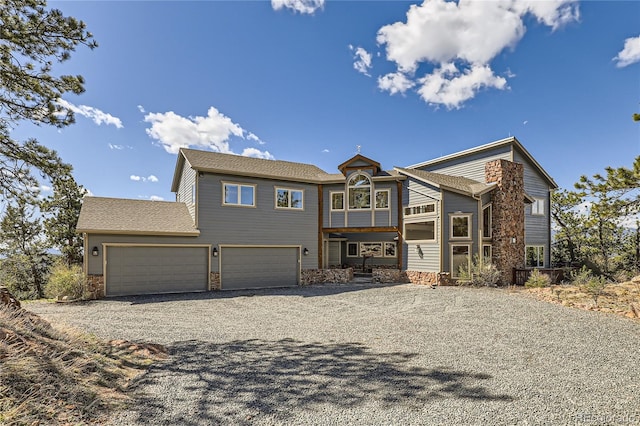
214, 253
305, 251
94, 251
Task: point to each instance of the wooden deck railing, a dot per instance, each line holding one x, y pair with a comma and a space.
520, 276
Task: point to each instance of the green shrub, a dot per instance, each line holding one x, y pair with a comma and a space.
594, 287
581, 276
66, 281
538, 280
481, 274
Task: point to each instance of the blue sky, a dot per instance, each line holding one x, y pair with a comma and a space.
309, 81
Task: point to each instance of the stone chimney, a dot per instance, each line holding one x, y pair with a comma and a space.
507, 220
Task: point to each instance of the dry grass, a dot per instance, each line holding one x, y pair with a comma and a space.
57, 376
620, 299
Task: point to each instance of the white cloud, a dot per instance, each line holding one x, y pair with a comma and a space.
141, 109
213, 132
630, 54
301, 6
325, 150
96, 115
449, 87
362, 62
256, 153
465, 35
117, 147
150, 178
395, 82
156, 198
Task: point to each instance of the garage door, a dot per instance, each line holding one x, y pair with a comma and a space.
258, 267
151, 270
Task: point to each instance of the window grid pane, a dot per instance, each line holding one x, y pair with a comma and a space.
460, 227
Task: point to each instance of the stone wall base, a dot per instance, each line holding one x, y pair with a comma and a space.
385, 275
324, 276
95, 286
423, 278
214, 281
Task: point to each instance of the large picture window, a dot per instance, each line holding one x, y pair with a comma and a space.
371, 249
236, 194
288, 198
534, 256
460, 226
420, 231
359, 192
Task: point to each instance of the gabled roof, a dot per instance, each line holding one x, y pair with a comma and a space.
452, 183
512, 141
359, 158
123, 216
215, 162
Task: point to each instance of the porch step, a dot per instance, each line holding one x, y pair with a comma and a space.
362, 278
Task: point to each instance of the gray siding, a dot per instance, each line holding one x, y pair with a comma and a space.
453, 203
427, 258
260, 225
537, 227
430, 260
361, 218
471, 166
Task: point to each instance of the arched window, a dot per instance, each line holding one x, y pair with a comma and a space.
359, 188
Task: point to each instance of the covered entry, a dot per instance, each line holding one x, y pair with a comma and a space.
132, 270
243, 267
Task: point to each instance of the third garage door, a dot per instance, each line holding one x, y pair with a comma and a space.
258, 267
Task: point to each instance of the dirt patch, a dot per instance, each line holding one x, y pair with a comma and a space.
620, 299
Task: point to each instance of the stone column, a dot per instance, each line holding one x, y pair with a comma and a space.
507, 216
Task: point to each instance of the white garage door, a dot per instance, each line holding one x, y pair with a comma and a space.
152, 270
258, 267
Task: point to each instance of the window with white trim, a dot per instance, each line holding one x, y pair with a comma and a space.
371, 249
460, 258
534, 256
420, 231
486, 253
390, 249
289, 198
460, 225
337, 200
421, 209
486, 222
382, 199
236, 194
352, 250
193, 193
537, 208
359, 192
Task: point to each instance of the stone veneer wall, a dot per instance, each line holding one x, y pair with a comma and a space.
419, 277
95, 286
322, 276
507, 216
214, 281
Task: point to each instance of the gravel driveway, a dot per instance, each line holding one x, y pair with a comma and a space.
379, 355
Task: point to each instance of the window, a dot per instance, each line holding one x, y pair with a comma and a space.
421, 209
352, 249
420, 231
371, 249
193, 193
460, 259
537, 207
486, 222
390, 249
288, 198
534, 256
461, 226
337, 201
359, 192
236, 194
382, 199
486, 253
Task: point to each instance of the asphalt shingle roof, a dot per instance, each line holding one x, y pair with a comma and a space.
458, 183
125, 216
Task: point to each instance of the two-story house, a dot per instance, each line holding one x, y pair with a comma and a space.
241, 222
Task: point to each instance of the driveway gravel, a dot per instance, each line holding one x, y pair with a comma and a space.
371, 355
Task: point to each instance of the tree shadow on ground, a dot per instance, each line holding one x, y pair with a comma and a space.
241, 381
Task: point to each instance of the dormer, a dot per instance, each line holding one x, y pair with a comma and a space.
360, 163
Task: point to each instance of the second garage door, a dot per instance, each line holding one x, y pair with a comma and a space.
150, 270
258, 267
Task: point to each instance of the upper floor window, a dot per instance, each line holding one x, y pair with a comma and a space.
460, 225
537, 207
288, 198
236, 194
486, 222
193, 193
359, 192
382, 199
421, 209
337, 201
420, 231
